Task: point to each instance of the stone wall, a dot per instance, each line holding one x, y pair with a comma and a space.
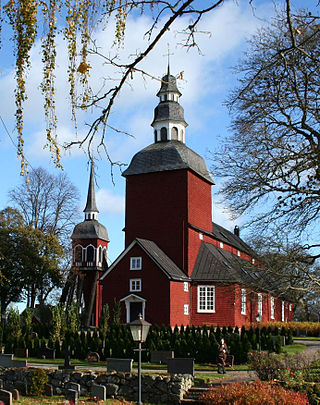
155, 388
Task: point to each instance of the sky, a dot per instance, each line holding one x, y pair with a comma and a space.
207, 80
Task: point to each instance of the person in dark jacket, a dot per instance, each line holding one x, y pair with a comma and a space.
222, 357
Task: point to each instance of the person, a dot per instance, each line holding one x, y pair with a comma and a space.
222, 357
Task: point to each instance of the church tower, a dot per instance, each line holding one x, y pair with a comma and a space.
168, 187
90, 247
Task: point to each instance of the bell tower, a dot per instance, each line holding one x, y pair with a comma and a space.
89, 260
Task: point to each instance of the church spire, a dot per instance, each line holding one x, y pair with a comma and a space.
91, 210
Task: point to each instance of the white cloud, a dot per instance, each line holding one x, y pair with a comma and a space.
109, 202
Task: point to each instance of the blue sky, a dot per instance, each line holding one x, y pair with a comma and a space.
207, 80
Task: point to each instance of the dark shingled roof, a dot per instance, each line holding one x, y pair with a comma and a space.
91, 205
162, 260
90, 229
169, 110
168, 84
163, 156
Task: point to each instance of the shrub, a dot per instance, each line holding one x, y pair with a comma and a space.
37, 381
253, 394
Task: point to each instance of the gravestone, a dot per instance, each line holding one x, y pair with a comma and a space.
161, 356
20, 352
48, 390
15, 395
93, 356
73, 386
181, 366
72, 396
282, 339
6, 397
120, 365
99, 392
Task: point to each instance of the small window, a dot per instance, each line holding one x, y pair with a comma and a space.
282, 311
174, 133
238, 253
186, 309
272, 307
201, 236
221, 245
185, 286
78, 255
206, 298
290, 307
163, 134
243, 301
260, 304
135, 285
90, 254
135, 263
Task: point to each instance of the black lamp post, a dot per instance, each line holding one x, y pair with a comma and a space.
258, 319
139, 330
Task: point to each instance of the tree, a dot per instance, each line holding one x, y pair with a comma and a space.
29, 261
271, 162
48, 203
77, 23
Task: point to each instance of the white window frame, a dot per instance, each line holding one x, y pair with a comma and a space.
243, 301
135, 285
221, 245
282, 311
290, 307
238, 253
136, 263
185, 286
206, 299
260, 304
201, 236
272, 307
186, 309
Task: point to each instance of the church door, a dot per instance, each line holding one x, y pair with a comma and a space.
135, 310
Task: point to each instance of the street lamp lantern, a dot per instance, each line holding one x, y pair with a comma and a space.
139, 331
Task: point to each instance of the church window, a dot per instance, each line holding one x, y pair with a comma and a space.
282, 311
186, 309
135, 285
163, 134
90, 254
206, 298
260, 304
221, 245
135, 263
238, 253
155, 136
243, 301
272, 307
185, 286
165, 97
78, 255
100, 255
290, 307
200, 236
174, 133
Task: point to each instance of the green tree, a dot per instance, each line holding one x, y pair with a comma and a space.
116, 313
104, 319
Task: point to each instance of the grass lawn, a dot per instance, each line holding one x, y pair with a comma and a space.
294, 348
305, 338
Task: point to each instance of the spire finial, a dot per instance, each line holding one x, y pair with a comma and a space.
168, 56
91, 210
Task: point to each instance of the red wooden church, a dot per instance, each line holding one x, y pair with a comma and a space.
177, 268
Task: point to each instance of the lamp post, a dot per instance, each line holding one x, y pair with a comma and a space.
258, 319
139, 330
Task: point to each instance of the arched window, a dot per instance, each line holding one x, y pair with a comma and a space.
163, 134
174, 133
155, 136
78, 254
90, 254
100, 254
